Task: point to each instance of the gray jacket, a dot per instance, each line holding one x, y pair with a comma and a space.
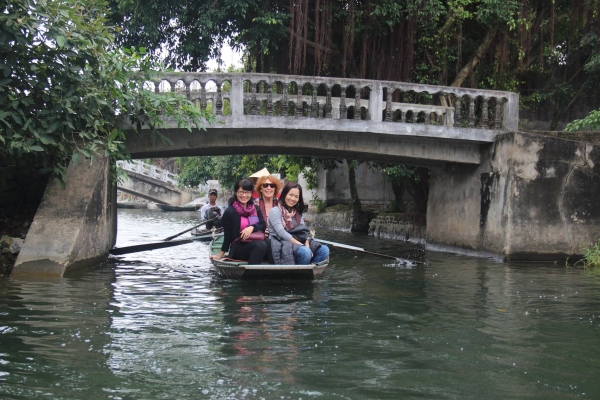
284, 251
276, 228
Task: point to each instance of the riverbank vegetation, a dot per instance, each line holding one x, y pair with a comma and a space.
591, 256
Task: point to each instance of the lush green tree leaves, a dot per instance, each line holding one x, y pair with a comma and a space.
590, 122
65, 91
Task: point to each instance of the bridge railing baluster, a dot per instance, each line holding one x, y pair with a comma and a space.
384, 101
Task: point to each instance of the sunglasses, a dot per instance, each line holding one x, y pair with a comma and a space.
271, 185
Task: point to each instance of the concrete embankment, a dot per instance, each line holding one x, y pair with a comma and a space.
395, 226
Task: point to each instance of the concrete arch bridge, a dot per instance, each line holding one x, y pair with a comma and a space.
493, 190
332, 117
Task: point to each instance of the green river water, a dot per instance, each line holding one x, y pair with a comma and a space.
162, 325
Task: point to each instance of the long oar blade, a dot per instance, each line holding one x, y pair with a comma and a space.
345, 246
187, 230
117, 251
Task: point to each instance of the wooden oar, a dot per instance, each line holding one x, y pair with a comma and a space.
187, 230
117, 251
345, 246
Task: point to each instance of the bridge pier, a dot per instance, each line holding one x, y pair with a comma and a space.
532, 198
74, 227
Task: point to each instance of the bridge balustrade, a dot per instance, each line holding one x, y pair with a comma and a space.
336, 98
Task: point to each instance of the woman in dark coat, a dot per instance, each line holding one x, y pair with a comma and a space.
240, 220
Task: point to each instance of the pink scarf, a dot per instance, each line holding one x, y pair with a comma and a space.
249, 211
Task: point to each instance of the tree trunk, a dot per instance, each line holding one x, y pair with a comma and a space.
470, 66
359, 220
419, 191
399, 189
355, 200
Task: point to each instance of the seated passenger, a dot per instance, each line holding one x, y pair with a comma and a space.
254, 178
289, 237
267, 187
240, 220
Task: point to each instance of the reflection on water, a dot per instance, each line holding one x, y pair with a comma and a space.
161, 324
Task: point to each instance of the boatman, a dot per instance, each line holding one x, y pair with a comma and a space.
211, 210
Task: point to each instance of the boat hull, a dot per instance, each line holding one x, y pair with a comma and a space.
168, 207
240, 270
235, 269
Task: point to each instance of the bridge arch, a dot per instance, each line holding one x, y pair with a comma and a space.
334, 117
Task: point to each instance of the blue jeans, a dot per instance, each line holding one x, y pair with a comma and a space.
303, 255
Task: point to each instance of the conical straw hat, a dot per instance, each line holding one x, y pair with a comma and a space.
262, 172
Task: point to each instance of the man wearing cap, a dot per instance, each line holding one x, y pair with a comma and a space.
211, 210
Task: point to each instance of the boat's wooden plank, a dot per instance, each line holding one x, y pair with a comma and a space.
270, 267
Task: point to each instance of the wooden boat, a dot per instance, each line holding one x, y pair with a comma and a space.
236, 269
169, 207
206, 235
131, 205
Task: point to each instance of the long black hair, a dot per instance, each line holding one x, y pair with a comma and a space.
299, 207
243, 184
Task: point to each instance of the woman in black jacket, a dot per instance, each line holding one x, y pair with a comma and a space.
240, 220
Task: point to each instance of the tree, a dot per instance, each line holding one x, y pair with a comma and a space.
66, 91
188, 33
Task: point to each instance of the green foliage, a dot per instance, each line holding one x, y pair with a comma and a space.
195, 171
591, 122
319, 204
399, 172
591, 256
229, 169
188, 33
65, 91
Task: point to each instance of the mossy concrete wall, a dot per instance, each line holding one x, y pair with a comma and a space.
396, 226
73, 227
533, 198
331, 220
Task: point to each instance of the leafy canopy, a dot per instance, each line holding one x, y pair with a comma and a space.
66, 91
229, 169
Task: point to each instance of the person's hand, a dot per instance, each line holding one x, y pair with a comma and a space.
245, 234
307, 244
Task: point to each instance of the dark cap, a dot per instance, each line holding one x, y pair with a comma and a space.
212, 191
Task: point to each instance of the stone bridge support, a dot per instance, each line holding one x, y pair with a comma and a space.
532, 198
74, 227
